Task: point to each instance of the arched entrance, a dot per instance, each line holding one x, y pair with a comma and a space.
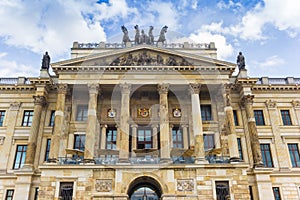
144, 188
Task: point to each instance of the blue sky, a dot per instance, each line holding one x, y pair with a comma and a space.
266, 31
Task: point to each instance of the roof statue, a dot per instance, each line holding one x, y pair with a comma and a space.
142, 38
125, 36
241, 61
46, 61
162, 37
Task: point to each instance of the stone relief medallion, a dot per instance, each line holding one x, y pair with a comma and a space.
176, 112
111, 113
143, 112
103, 185
185, 184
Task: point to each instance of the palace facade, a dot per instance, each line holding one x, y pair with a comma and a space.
163, 121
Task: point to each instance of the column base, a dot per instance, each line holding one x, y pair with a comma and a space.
234, 159
165, 161
52, 160
259, 165
201, 161
89, 161
27, 167
123, 161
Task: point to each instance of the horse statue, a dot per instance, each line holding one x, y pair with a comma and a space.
125, 36
162, 37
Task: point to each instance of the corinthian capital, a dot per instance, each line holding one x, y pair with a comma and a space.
39, 100
93, 88
195, 88
125, 88
247, 99
163, 88
271, 104
62, 89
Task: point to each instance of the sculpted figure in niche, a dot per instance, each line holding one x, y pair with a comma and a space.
241, 61
46, 61
137, 35
125, 36
162, 37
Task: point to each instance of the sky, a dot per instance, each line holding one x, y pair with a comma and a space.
266, 31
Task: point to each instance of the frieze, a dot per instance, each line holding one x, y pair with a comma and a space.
146, 58
185, 185
103, 185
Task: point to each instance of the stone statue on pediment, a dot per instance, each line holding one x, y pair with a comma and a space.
241, 61
162, 37
137, 35
150, 36
46, 61
125, 36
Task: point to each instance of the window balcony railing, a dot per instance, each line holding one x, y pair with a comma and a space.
106, 161
183, 160
70, 160
144, 160
212, 159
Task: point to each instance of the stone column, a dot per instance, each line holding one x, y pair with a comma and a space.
58, 122
185, 136
281, 149
133, 137
155, 138
91, 123
232, 139
247, 101
171, 136
103, 136
164, 123
197, 124
124, 123
39, 103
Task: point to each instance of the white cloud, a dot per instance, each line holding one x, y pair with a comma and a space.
230, 4
224, 50
11, 68
272, 61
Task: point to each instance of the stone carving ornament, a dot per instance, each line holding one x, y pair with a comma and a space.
103, 185
185, 184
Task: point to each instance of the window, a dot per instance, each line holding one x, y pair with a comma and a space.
276, 193
251, 193
27, 118
209, 141
240, 148
66, 190
2, 114
111, 138
206, 113
266, 155
36, 194
47, 149
259, 117
79, 142
51, 123
236, 122
222, 190
20, 156
82, 113
286, 118
294, 155
9, 194
177, 137
144, 139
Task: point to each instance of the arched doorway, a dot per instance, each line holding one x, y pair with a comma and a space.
144, 188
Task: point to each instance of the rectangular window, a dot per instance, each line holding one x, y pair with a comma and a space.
2, 114
66, 190
79, 142
47, 149
206, 113
144, 139
266, 155
36, 194
276, 193
222, 190
111, 138
240, 148
209, 141
286, 118
294, 154
27, 118
177, 137
236, 122
20, 156
259, 117
9, 194
82, 113
52, 115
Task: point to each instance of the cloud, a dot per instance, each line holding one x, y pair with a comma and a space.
225, 50
9, 67
272, 61
222, 5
